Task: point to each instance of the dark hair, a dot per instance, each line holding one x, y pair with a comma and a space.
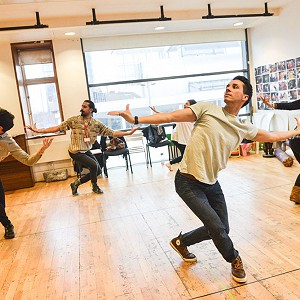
192, 101
91, 105
248, 90
6, 120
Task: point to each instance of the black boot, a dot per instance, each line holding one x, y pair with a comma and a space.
96, 189
9, 231
74, 186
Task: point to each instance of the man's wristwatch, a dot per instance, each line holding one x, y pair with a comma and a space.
136, 120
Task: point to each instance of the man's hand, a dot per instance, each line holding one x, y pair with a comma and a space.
133, 130
46, 144
266, 100
32, 128
126, 114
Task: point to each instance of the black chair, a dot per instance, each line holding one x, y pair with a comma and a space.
106, 154
156, 138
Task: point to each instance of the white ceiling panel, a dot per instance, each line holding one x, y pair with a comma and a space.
62, 16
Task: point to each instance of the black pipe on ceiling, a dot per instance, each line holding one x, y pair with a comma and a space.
96, 22
38, 25
211, 16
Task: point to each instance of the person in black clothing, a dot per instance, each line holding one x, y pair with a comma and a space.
8, 146
293, 142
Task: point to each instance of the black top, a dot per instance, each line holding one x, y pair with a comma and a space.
289, 105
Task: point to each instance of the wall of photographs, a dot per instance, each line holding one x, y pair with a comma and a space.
280, 81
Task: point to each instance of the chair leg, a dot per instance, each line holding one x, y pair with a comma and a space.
130, 163
148, 156
126, 160
104, 166
170, 152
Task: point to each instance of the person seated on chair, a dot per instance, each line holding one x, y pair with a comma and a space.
84, 131
180, 135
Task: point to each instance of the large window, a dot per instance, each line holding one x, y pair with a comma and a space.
37, 83
164, 77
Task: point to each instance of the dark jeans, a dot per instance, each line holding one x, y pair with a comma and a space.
208, 203
181, 148
3, 217
295, 146
89, 161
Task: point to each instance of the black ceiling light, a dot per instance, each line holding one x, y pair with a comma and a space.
96, 22
211, 16
38, 25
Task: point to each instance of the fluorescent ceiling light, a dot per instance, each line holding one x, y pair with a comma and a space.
238, 24
70, 33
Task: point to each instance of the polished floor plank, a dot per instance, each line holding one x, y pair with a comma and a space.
116, 245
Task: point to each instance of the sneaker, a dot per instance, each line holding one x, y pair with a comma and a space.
9, 232
237, 270
74, 187
96, 189
182, 250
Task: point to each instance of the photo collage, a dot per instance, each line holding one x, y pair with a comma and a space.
280, 81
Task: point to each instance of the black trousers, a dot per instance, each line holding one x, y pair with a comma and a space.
295, 146
4, 220
89, 161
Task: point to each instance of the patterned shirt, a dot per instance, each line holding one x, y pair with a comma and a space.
9, 146
84, 134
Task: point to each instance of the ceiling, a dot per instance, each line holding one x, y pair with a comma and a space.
71, 15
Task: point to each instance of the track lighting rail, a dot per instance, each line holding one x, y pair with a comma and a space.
38, 25
96, 22
211, 16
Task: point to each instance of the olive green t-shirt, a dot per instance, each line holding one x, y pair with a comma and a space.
215, 135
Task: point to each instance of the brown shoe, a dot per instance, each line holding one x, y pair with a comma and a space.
182, 250
237, 270
295, 194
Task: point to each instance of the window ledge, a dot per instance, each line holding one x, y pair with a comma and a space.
42, 135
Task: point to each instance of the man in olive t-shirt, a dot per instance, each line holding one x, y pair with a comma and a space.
217, 132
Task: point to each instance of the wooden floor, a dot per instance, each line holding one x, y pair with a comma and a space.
116, 245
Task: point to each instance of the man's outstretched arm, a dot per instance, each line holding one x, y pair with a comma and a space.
277, 136
182, 115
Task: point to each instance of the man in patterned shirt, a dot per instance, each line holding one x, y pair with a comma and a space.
9, 146
84, 131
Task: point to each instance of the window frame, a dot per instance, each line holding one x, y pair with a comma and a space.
243, 71
21, 80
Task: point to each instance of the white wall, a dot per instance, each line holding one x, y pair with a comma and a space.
9, 98
278, 39
275, 40
73, 90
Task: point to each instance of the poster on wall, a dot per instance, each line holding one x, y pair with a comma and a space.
279, 81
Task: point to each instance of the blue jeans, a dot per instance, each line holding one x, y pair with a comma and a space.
208, 203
